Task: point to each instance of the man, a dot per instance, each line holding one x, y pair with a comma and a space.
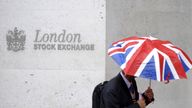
121, 92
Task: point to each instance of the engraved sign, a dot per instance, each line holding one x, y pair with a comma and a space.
62, 41
15, 40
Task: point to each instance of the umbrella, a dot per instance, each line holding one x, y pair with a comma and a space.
150, 58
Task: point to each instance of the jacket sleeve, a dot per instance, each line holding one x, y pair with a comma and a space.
112, 100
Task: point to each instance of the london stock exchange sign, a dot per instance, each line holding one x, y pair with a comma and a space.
62, 41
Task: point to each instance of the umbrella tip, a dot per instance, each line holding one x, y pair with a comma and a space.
166, 82
150, 37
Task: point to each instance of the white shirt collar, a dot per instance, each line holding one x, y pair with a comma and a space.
125, 79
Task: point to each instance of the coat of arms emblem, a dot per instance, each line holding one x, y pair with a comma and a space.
15, 40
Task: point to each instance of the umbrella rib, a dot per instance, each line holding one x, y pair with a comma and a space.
180, 53
170, 65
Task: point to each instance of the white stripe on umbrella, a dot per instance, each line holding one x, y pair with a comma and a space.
157, 64
144, 63
122, 45
175, 75
189, 65
120, 52
131, 53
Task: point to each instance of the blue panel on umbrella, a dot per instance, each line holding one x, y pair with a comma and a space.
149, 71
121, 57
186, 68
167, 72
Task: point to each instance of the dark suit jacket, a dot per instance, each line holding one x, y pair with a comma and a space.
116, 94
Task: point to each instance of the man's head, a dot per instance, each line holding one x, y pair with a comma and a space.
129, 77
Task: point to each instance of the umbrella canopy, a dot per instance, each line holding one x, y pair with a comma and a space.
151, 58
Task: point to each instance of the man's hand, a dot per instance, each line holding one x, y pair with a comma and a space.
149, 94
141, 103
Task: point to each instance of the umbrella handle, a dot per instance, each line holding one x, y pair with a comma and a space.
150, 83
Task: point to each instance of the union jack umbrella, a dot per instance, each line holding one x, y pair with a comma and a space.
151, 58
